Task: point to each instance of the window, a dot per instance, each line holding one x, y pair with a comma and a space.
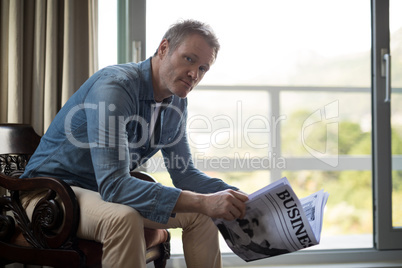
260, 125
107, 32
396, 113
292, 95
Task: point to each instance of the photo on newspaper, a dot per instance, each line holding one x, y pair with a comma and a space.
276, 222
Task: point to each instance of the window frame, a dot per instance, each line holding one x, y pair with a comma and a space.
131, 30
385, 235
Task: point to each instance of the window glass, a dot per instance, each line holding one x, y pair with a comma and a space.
396, 110
107, 32
291, 40
327, 121
295, 76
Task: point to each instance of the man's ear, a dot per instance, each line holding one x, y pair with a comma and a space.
163, 48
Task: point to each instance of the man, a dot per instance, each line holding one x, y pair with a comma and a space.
118, 119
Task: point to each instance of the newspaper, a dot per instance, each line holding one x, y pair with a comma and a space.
276, 222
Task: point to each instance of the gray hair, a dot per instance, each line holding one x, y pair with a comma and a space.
182, 29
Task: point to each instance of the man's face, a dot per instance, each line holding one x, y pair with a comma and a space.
182, 69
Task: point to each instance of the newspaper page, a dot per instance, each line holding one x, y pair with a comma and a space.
313, 207
276, 223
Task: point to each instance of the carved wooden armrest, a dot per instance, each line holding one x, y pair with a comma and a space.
54, 222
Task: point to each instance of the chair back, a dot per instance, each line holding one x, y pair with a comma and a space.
17, 143
18, 139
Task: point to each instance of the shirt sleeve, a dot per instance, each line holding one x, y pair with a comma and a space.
110, 109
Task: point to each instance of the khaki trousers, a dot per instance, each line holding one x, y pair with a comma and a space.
120, 229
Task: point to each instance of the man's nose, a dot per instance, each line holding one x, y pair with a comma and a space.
193, 73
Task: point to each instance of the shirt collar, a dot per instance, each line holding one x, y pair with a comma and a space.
146, 90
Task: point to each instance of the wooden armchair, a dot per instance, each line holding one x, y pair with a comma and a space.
50, 238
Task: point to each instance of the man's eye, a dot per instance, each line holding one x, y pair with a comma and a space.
189, 59
203, 69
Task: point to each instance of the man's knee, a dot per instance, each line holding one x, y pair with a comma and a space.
197, 220
115, 221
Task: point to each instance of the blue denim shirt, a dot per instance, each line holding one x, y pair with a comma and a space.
102, 132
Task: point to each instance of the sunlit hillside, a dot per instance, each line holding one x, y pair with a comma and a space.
347, 70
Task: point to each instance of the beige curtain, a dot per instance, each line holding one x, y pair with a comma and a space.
48, 49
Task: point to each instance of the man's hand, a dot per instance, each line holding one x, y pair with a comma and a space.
228, 204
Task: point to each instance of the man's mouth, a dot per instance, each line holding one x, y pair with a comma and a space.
187, 83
